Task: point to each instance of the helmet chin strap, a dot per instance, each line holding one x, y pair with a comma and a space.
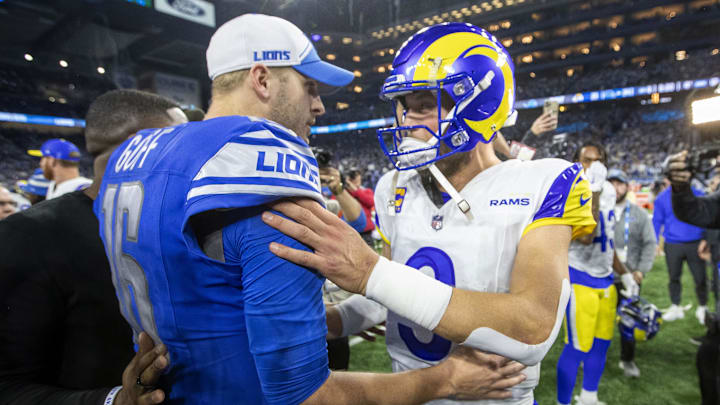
461, 203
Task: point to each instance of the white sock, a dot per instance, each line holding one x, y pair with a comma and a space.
588, 396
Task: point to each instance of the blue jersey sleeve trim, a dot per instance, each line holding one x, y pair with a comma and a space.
358, 224
256, 180
554, 204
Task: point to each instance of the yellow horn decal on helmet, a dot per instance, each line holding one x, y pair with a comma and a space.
490, 125
449, 48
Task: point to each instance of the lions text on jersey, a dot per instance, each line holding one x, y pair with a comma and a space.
242, 326
507, 200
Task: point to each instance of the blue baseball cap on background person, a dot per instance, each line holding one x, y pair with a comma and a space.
58, 149
37, 184
617, 174
272, 41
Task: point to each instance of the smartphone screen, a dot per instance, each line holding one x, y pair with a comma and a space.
551, 107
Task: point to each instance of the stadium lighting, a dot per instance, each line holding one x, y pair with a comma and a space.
318, 37
357, 89
330, 56
570, 72
356, 58
705, 110
63, 63
680, 55
357, 73
715, 51
101, 70
532, 74
29, 57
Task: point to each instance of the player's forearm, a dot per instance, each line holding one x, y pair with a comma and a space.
522, 324
350, 206
527, 318
406, 388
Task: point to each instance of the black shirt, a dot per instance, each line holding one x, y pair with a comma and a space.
702, 211
62, 338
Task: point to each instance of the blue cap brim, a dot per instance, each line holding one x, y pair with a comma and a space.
32, 190
326, 73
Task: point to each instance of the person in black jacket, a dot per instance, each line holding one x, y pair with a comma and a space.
62, 337
703, 212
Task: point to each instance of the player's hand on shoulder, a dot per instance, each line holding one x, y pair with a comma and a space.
340, 254
473, 374
596, 175
142, 374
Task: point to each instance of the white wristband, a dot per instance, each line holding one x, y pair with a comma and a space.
110, 398
409, 293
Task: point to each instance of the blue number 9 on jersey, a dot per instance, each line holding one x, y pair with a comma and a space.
444, 270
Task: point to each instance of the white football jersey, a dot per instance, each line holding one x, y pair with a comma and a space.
596, 259
68, 186
506, 201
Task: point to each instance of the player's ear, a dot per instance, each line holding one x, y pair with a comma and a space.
258, 80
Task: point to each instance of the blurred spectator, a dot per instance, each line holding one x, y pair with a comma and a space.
59, 161
635, 247
35, 188
365, 196
64, 340
681, 245
8, 205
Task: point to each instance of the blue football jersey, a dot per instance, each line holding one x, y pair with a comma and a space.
245, 328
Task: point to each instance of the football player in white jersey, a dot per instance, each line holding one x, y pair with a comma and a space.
490, 239
590, 316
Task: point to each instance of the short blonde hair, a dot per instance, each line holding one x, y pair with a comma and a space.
227, 82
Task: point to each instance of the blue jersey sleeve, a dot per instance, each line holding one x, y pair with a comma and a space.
284, 311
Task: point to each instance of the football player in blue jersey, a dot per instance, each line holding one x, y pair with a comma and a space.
179, 211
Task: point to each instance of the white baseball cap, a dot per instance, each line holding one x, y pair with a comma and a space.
273, 41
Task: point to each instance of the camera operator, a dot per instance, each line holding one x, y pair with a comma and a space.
703, 211
350, 207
